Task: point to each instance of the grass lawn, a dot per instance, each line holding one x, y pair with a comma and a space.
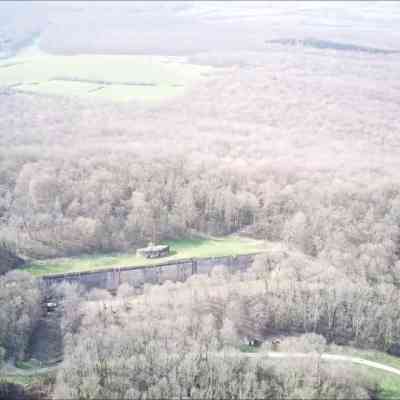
27, 374
108, 77
193, 248
388, 384
372, 355
18, 379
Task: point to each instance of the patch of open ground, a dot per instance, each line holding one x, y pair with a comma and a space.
388, 382
28, 374
389, 385
104, 77
180, 249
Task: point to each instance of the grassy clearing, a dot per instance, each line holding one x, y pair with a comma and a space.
372, 355
126, 77
28, 365
246, 348
27, 374
18, 379
388, 384
180, 249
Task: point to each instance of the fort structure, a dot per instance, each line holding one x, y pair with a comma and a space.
153, 251
176, 270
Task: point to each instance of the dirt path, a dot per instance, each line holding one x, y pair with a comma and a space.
330, 357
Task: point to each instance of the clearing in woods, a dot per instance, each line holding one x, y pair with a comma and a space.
388, 384
148, 79
180, 249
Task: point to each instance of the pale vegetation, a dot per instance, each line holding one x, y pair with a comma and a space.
274, 153
179, 339
285, 144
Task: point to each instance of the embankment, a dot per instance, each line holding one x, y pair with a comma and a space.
179, 270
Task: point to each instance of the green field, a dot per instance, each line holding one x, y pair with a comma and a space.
180, 249
388, 384
109, 77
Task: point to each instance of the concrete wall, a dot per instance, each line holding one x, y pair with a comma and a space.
174, 271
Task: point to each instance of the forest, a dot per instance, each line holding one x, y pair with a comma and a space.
186, 339
313, 165
290, 143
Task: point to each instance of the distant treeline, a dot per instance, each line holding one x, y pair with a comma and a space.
102, 82
327, 44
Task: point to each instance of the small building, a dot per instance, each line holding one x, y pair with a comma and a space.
153, 251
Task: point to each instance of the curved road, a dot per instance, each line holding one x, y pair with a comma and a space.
327, 356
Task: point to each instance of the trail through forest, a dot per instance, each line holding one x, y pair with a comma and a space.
330, 357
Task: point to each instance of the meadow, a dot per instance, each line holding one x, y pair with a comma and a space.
388, 384
180, 249
147, 79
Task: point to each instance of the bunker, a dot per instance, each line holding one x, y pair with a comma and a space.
153, 251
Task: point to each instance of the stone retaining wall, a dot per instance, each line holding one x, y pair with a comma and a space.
174, 271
